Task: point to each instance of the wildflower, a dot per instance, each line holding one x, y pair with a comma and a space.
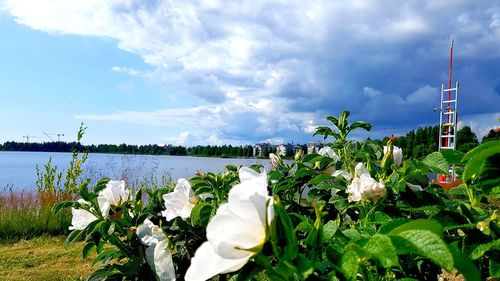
328, 151
364, 187
397, 154
238, 230
115, 192
158, 254
81, 218
180, 202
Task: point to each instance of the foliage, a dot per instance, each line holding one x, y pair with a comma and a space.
350, 212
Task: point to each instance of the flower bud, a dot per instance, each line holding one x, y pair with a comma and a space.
275, 160
299, 154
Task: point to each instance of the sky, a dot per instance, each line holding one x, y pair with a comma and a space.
240, 72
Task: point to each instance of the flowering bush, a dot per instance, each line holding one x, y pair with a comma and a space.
354, 211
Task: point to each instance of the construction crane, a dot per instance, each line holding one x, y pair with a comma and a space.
28, 137
58, 136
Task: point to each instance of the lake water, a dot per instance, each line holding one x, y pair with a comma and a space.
17, 169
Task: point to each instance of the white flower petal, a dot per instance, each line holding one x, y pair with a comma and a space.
178, 203
145, 233
206, 263
81, 219
230, 234
104, 205
163, 263
360, 169
115, 192
343, 174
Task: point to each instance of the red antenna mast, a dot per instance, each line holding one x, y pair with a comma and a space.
448, 117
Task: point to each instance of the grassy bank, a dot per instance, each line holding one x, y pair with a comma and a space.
42, 258
25, 215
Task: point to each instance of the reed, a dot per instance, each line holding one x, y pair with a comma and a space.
28, 214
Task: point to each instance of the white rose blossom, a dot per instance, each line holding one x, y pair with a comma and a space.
328, 151
180, 202
158, 254
115, 192
397, 154
81, 218
238, 230
364, 187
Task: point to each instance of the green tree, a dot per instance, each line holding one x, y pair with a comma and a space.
466, 139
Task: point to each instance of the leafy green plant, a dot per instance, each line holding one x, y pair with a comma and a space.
352, 211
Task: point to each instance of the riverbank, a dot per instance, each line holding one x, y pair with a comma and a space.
43, 259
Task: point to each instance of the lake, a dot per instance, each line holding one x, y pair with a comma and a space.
17, 169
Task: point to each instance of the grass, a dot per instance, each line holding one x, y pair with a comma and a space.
43, 258
24, 215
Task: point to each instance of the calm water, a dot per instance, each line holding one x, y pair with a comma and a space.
17, 169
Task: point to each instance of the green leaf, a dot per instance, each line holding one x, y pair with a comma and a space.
304, 266
421, 224
494, 268
424, 243
73, 236
475, 158
480, 250
200, 215
62, 205
361, 124
283, 239
392, 224
329, 230
488, 180
101, 185
352, 233
381, 248
349, 265
437, 163
452, 156
464, 265
87, 249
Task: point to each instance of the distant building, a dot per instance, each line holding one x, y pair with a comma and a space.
261, 149
314, 147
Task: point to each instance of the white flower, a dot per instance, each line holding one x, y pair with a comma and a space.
328, 151
342, 173
158, 254
115, 192
397, 154
364, 187
81, 218
238, 230
180, 202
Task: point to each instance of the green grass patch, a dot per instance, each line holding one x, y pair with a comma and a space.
43, 258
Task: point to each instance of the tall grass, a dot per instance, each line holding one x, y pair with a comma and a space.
25, 214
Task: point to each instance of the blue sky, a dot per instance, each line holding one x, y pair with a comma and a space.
213, 72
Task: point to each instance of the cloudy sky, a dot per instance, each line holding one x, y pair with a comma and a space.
213, 72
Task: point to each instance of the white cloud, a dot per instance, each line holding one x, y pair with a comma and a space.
276, 68
480, 124
128, 70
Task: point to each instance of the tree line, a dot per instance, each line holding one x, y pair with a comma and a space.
415, 144
423, 141
150, 149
